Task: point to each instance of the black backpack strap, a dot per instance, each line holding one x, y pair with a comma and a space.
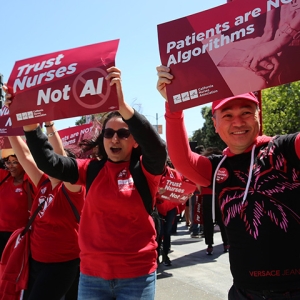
75, 211
93, 169
4, 178
141, 183
29, 191
31, 219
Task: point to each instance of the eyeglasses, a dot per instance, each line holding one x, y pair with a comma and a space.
9, 163
122, 133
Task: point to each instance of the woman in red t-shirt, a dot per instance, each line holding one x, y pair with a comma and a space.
117, 234
54, 250
15, 201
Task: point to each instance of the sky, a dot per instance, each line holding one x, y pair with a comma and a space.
31, 28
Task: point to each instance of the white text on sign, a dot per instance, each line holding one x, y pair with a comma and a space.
56, 95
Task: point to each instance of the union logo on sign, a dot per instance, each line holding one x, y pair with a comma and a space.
87, 93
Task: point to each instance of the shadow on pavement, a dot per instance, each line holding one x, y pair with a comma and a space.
192, 259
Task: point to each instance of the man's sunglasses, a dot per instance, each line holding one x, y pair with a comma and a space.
122, 133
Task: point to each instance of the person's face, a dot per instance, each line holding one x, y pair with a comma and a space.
118, 148
237, 123
14, 167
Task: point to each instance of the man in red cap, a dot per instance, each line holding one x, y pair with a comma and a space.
257, 184
232, 114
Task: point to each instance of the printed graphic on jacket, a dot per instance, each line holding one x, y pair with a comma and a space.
47, 201
273, 185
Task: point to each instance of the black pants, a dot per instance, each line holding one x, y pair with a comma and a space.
166, 231
72, 293
241, 294
208, 221
4, 236
50, 281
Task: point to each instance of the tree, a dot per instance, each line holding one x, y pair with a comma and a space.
281, 109
82, 120
207, 136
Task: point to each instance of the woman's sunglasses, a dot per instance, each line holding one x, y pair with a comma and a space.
122, 133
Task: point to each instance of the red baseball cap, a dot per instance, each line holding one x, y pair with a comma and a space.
219, 103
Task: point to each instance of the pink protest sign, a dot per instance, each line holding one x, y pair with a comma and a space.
77, 137
4, 143
231, 49
177, 191
174, 187
6, 128
63, 84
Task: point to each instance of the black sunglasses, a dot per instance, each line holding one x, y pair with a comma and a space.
122, 133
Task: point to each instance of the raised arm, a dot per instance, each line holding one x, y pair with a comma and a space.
154, 152
25, 158
195, 167
55, 165
21, 150
297, 145
54, 138
114, 76
58, 148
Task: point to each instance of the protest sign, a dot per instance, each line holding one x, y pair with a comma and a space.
77, 137
63, 84
225, 51
174, 188
4, 142
6, 128
198, 211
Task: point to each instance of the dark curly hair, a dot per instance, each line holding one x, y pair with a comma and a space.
136, 152
70, 153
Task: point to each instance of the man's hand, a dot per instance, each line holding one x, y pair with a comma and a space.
164, 78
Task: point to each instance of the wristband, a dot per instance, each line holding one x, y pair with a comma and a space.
293, 33
50, 125
51, 133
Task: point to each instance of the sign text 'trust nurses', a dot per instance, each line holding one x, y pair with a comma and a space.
63, 84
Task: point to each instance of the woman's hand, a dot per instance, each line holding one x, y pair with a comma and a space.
114, 76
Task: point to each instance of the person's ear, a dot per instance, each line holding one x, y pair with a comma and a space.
215, 124
135, 145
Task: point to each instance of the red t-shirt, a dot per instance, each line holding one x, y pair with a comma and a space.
116, 235
163, 206
54, 234
13, 203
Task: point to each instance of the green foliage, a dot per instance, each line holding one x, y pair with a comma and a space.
280, 115
82, 120
206, 135
281, 109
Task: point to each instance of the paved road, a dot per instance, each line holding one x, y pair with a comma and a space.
193, 274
